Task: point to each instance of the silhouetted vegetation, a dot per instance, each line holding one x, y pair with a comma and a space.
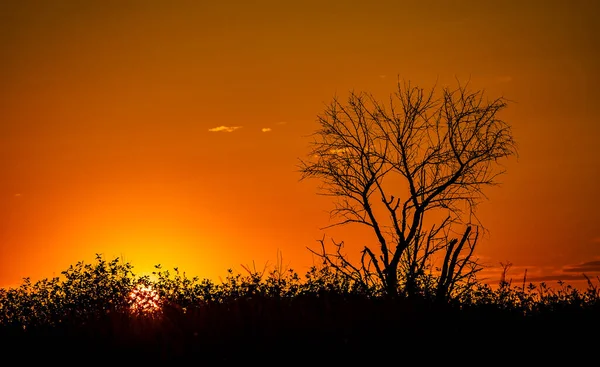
105, 312
412, 170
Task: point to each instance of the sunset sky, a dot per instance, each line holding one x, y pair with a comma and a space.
169, 132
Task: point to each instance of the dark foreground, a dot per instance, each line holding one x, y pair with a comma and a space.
315, 331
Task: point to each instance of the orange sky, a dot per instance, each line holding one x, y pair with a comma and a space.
106, 109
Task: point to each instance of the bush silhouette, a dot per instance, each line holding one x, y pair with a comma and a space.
322, 316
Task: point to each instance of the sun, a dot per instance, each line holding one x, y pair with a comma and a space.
144, 299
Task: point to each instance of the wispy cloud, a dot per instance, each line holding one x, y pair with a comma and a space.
586, 267
573, 272
563, 277
265, 129
227, 129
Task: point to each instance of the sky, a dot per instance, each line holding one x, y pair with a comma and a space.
169, 132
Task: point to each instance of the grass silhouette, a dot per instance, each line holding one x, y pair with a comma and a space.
104, 312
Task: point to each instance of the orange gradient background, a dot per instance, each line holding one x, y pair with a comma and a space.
106, 111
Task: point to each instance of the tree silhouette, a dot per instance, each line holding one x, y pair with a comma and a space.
412, 169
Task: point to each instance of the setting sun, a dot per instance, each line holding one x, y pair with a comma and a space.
144, 299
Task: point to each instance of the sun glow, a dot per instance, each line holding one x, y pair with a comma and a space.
144, 299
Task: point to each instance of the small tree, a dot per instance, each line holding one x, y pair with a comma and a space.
411, 169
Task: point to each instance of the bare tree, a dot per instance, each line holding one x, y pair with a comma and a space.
412, 169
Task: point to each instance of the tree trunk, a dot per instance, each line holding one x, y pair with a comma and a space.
391, 283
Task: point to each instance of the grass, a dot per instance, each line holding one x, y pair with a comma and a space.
105, 312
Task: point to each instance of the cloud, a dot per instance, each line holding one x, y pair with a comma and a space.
551, 278
227, 129
265, 129
586, 267
575, 275
537, 274
574, 272
282, 123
